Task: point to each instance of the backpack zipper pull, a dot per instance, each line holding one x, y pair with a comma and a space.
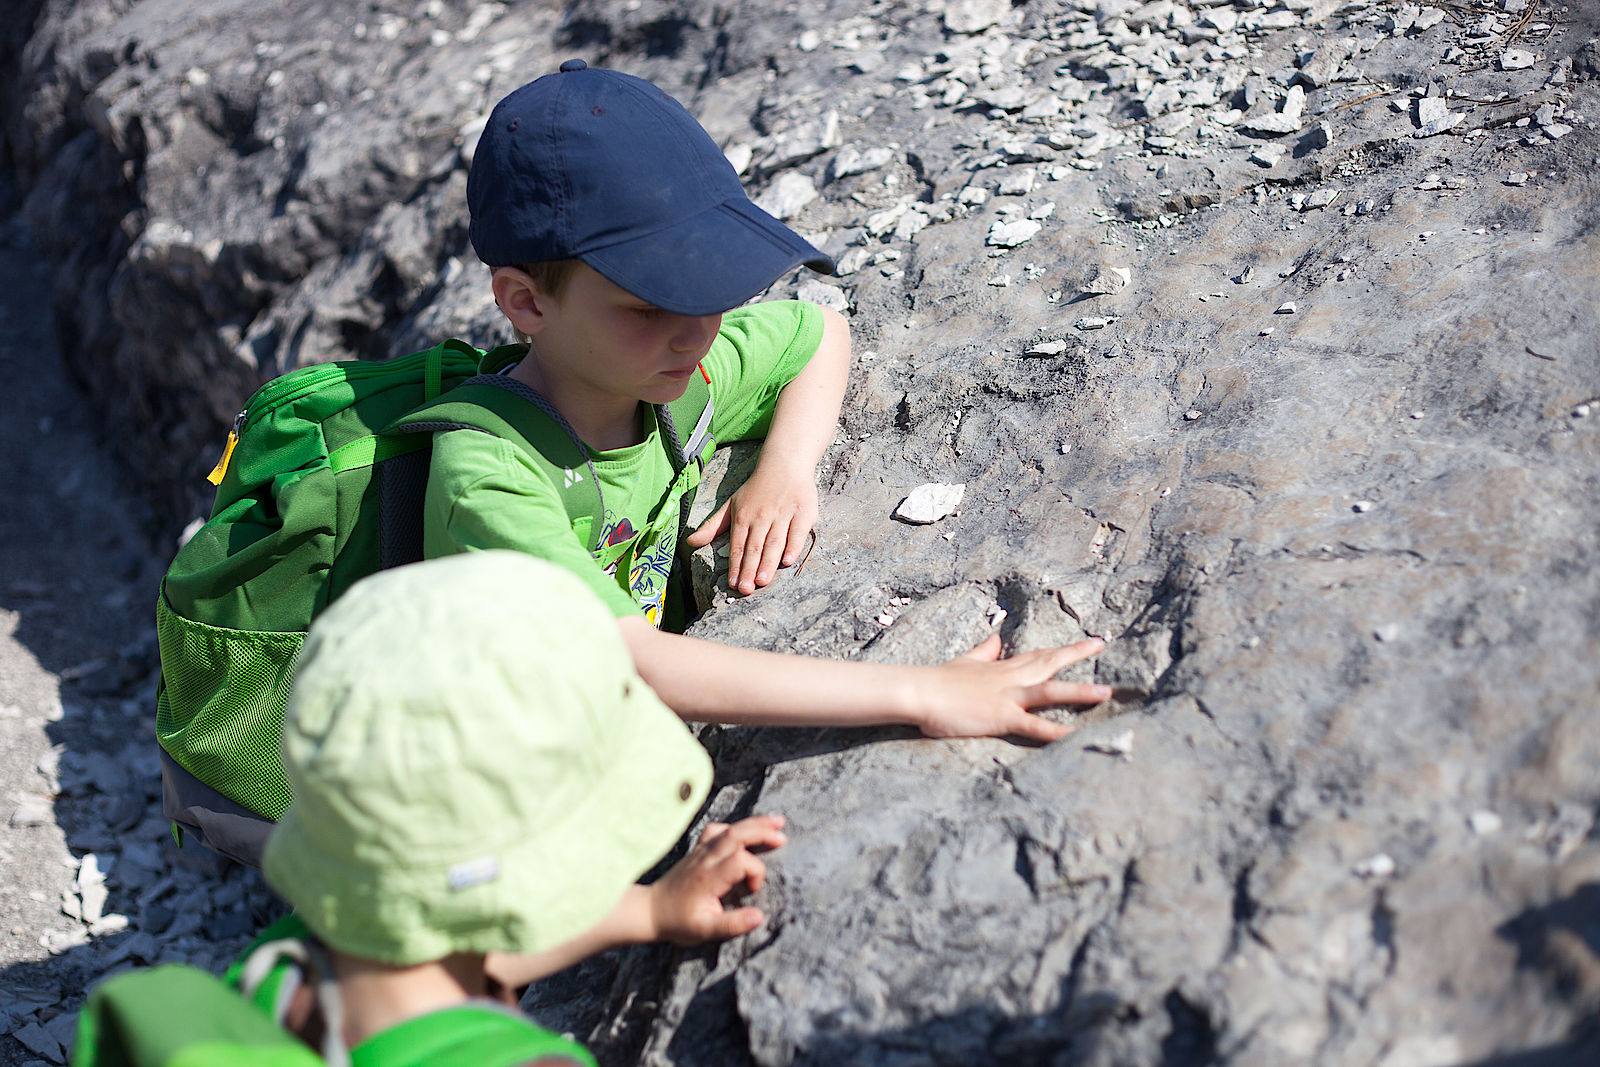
221, 469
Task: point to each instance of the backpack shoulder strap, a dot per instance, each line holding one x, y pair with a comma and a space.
695, 408
503, 407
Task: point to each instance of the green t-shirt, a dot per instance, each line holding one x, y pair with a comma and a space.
485, 492
474, 1033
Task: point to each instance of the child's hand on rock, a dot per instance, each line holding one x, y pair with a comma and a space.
686, 904
982, 695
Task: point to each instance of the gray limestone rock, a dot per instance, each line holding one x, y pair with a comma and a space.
1293, 862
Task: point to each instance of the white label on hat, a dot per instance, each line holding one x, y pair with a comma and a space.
473, 872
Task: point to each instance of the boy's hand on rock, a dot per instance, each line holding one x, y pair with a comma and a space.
767, 520
687, 902
981, 695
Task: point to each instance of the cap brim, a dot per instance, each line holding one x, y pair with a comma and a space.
709, 262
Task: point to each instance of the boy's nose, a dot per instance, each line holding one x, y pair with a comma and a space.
695, 332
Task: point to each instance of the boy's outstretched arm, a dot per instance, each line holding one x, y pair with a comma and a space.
768, 517
684, 906
975, 695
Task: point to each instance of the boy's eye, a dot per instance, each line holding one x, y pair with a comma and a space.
649, 311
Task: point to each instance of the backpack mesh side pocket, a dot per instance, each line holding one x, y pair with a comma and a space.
219, 713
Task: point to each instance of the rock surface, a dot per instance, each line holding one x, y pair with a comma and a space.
1343, 809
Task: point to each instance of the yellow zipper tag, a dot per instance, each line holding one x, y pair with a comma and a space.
221, 469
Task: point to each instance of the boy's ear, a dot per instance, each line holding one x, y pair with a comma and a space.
520, 300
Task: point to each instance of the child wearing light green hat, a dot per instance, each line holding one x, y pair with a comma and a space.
478, 783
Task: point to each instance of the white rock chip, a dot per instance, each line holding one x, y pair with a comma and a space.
1517, 59
1434, 116
883, 222
1380, 865
787, 196
32, 811
910, 224
854, 160
974, 16
1484, 822
1104, 281
1285, 308
1267, 155
1120, 744
1047, 348
1285, 120
1017, 183
1094, 322
930, 503
1013, 234
828, 296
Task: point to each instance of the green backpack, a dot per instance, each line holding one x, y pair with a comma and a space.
319, 486
180, 1016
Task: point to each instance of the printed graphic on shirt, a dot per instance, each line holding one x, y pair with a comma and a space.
617, 533
647, 566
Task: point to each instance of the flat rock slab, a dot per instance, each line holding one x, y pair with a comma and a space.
1344, 559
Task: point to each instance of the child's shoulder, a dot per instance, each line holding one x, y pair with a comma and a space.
772, 326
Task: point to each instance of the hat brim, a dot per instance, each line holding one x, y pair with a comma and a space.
547, 888
709, 262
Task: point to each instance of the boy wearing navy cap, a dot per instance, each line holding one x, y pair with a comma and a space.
621, 246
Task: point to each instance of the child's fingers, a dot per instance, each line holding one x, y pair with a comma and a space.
758, 831
1066, 655
744, 866
734, 922
749, 559
1038, 728
987, 650
707, 531
1046, 694
712, 830
771, 552
795, 543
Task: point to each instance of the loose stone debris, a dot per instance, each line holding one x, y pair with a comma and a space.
1484, 822
1118, 744
1433, 117
1013, 234
1381, 865
1106, 280
931, 502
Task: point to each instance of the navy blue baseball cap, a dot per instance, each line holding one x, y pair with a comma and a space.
606, 168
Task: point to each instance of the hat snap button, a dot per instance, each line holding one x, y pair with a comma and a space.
685, 790
571, 65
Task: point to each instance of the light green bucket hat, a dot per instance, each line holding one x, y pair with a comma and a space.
475, 764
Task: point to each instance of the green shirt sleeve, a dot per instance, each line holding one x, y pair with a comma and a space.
758, 351
483, 493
